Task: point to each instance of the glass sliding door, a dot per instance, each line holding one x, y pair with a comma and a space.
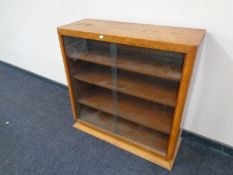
127, 91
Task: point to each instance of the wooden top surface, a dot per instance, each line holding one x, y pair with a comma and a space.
112, 31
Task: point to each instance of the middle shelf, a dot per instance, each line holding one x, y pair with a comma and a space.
146, 113
149, 88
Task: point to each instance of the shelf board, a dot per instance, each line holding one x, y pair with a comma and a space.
145, 113
101, 45
148, 88
133, 133
138, 64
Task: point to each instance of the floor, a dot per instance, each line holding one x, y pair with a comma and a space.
37, 137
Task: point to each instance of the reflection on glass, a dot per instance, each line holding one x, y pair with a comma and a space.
127, 91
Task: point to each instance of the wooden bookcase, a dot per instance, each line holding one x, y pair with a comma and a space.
128, 83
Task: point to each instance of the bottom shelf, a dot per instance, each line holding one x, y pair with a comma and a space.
147, 155
138, 135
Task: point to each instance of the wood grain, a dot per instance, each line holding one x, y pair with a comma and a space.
142, 35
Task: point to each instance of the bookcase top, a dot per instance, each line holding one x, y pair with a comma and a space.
154, 36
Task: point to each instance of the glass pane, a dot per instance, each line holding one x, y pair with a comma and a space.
91, 70
127, 91
147, 86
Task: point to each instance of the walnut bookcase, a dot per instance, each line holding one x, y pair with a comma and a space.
128, 83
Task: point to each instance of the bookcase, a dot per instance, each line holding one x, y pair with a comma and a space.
128, 83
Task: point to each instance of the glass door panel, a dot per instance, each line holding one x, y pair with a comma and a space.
127, 91
147, 86
91, 70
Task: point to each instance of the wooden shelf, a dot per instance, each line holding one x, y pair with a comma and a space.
148, 88
147, 66
136, 134
145, 113
94, 45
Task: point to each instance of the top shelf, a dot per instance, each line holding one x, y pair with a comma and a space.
152, 67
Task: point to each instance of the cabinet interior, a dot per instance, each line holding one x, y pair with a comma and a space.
126, 91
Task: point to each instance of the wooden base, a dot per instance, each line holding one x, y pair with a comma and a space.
150, 156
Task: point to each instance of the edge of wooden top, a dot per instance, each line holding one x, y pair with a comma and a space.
178, 39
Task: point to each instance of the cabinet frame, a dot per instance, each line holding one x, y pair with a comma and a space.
188, 49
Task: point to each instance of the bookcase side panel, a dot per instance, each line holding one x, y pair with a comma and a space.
68, 77
181, 98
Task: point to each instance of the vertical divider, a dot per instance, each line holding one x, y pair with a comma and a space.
114, 73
